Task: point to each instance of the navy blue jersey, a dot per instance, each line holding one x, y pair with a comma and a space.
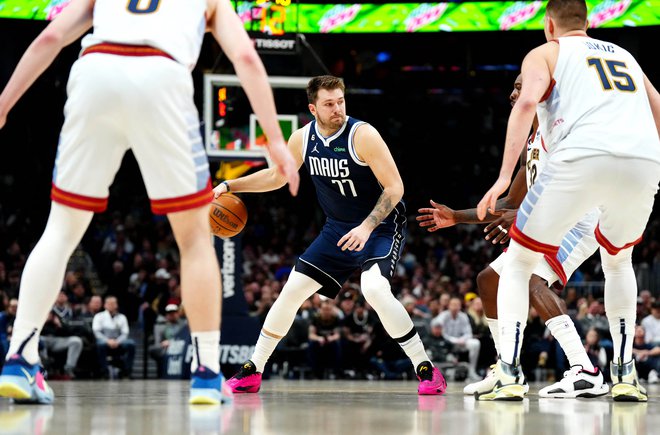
346, 187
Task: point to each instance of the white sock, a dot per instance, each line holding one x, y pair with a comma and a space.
620, 301
378, 293
563, 329
396, 321
263, 350
495, 333
206, 350
414, 348
513, 299
43, 275
623, 332
297, 289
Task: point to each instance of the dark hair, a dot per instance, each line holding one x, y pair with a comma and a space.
569, 14
323, 82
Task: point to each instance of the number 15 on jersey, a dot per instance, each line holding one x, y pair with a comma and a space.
621, 79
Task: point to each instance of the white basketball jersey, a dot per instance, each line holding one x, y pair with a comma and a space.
598, 104
536, 157
175, 26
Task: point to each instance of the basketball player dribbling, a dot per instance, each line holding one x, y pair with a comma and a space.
583, 379
359, 189
131, 89
600, 117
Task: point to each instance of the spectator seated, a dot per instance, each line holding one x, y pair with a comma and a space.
291, 353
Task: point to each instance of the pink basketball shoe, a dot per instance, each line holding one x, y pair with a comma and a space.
247, 380
431, 381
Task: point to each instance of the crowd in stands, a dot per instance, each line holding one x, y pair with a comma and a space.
125, 275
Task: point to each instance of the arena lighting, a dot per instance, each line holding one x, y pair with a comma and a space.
279, 17
504, 67
383, 56
417, 68
364, 91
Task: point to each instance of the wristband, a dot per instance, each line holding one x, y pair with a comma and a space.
226, 183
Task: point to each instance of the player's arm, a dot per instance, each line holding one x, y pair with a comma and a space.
440, 216
536, 78
266, 179
654, 100
71, 24
371, 149
228, 30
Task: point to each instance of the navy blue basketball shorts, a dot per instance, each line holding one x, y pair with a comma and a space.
328, 265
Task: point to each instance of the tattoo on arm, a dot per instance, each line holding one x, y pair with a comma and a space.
381, 210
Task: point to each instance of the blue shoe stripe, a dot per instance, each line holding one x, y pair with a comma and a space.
206, 379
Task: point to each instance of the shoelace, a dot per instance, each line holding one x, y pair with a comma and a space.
491, 371
573, 371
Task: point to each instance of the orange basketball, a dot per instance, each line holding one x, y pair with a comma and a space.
228, 215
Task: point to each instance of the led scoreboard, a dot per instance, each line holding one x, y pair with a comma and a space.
264, 16
232, 130
271, 24
279, 21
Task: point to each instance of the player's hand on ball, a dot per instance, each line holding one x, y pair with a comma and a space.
498, 230
440, 216
355, 239
489, 201
285, 165
219, 190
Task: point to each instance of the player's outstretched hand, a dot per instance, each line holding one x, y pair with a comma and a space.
489, 202
440, 216
286, 165
3, 120
355, 239
498, 230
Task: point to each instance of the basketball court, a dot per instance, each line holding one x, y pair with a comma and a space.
318, 407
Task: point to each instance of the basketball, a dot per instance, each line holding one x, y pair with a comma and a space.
228, 215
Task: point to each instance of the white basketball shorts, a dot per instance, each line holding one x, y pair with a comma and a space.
622, 188
576, 247
137, 102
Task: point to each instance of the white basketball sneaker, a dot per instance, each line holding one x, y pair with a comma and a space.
488, 383
577, 382
626, 387
508, 383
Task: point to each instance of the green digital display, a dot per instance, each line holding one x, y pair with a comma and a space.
31, 9
278, 17
273, 18
457, 17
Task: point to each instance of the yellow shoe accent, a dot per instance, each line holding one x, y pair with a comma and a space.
510, 392
623, 392
12, 391
203, 400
